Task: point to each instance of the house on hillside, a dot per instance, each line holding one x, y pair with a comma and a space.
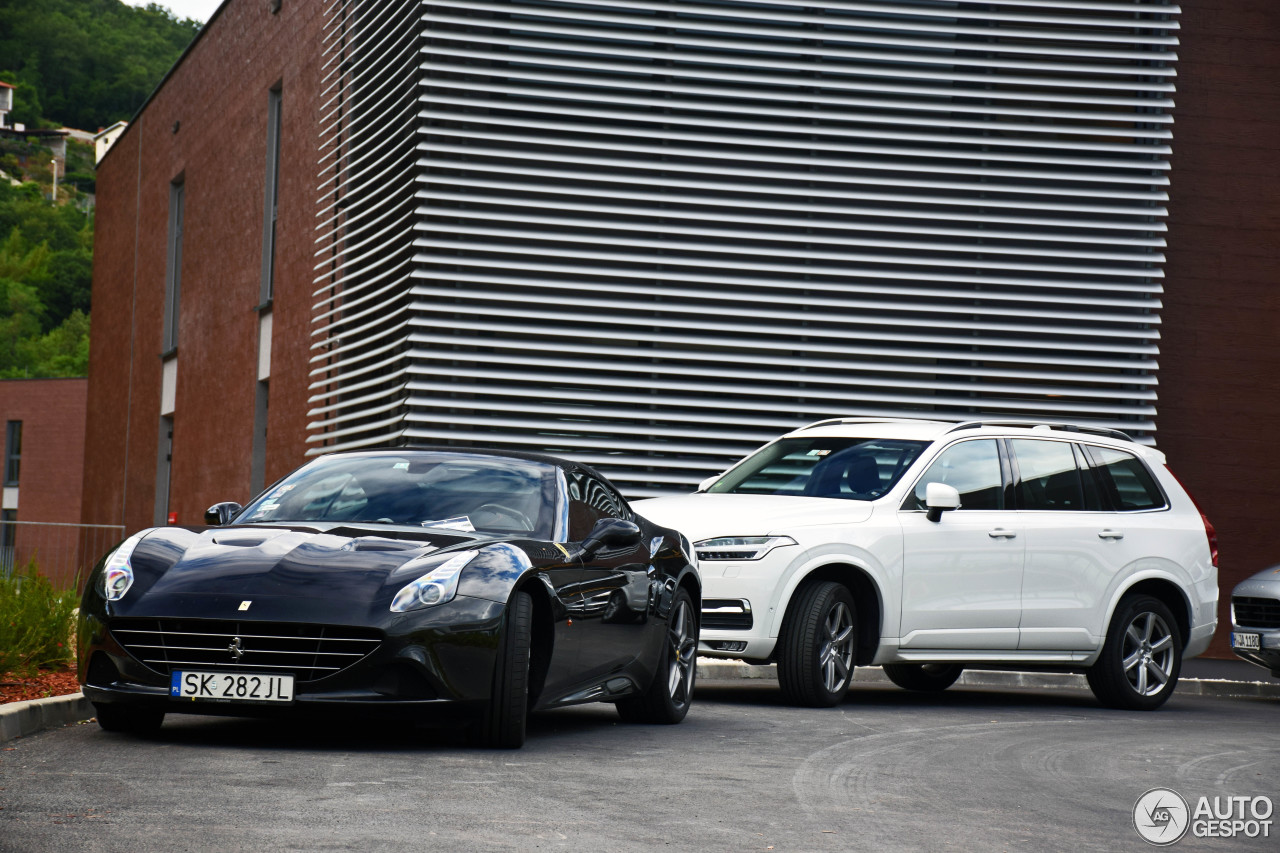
6, 103
103, 139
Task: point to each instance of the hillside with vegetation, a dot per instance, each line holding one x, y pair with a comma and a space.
85, 63
75, 63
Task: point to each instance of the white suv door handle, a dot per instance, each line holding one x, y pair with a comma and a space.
1001, 533
1110, 534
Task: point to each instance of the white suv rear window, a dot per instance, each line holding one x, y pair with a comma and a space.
1130, 484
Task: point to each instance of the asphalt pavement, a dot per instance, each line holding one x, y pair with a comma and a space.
974, 768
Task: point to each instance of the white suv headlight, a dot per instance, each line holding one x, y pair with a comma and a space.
435, 587
740, 547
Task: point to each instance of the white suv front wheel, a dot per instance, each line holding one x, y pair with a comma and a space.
1139, 665
816, 649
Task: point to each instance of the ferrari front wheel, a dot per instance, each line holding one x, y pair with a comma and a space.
503, 724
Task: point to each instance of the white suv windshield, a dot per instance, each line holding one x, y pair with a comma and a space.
824, 467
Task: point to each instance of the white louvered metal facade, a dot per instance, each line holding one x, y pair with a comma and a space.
652, 235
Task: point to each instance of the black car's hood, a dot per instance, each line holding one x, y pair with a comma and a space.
355, 565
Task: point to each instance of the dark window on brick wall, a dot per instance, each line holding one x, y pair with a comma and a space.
273, 196
173, 268
12, 452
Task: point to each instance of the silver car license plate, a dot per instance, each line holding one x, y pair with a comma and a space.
231, 686
1248, 642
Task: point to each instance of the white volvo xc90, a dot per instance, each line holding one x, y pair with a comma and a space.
927, 547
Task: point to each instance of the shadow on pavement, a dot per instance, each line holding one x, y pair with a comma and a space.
370, 734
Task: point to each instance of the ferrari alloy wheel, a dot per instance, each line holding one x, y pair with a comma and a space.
1138, 667
669, 695
815, 661
503, 725
923, 677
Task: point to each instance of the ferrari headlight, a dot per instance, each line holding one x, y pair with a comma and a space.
435, 587
117, 575
740, 547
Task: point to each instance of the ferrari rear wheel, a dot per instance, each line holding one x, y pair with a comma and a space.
668, 697
503, 724
132, 719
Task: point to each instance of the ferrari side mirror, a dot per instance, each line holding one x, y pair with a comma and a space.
611, 533
221, 513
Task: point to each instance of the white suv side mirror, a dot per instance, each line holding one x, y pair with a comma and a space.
939, 497
708, 483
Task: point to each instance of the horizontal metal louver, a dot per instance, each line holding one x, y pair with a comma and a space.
653, 235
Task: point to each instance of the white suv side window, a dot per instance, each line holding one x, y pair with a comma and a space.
973, 468
1127, 480
1049, 478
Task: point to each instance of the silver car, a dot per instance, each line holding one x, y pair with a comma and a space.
1255, 619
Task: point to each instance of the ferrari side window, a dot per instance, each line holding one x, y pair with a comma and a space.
603, 499
589, 501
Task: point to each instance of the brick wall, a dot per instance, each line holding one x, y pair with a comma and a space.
52, 412
207, 125
1220, 356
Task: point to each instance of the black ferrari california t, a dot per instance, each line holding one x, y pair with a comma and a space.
415, 582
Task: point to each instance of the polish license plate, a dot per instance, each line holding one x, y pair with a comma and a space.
1249, 642
231, 686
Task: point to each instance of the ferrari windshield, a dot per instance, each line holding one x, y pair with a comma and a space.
823, 467
447, 491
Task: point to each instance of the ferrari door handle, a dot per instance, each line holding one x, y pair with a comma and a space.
1110, 534
1001, 533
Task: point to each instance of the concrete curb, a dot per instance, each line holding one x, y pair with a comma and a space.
20, 719
711, 669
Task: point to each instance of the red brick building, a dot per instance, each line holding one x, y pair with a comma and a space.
44, 422
204, 135
228, 373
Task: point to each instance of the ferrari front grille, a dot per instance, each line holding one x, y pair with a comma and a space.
309, 652
1253, 612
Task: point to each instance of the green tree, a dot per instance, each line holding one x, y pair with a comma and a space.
44, 286
86, 63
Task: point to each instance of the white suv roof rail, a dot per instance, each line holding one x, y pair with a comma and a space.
1088, 430
868, 420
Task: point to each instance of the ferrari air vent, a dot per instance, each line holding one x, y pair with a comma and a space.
309, 652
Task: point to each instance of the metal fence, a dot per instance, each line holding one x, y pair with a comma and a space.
63, 552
